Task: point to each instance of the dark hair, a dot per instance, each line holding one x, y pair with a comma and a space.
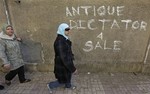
67, 29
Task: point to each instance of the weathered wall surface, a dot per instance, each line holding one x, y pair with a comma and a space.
2, 13
107, 35
2, 19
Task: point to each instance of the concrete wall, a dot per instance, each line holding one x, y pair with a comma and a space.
107, 35
3, 19
2, 13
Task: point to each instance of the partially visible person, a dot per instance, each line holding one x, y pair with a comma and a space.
63, 67
11, 55
1, 77
1, 87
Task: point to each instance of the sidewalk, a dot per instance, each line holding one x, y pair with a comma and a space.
87, 83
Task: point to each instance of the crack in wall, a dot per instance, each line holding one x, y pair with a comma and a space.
6, 12
147, 52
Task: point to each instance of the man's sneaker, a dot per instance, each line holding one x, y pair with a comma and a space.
50, 90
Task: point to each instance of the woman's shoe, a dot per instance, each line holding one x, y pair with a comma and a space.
25, 81
71, 87
50, 90
7, 82
1, 87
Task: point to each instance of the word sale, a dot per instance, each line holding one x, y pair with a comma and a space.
102, 44
90, 46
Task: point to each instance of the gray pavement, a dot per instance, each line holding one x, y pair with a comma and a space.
87, 83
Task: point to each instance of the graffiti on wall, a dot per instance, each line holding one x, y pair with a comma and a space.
98, 21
